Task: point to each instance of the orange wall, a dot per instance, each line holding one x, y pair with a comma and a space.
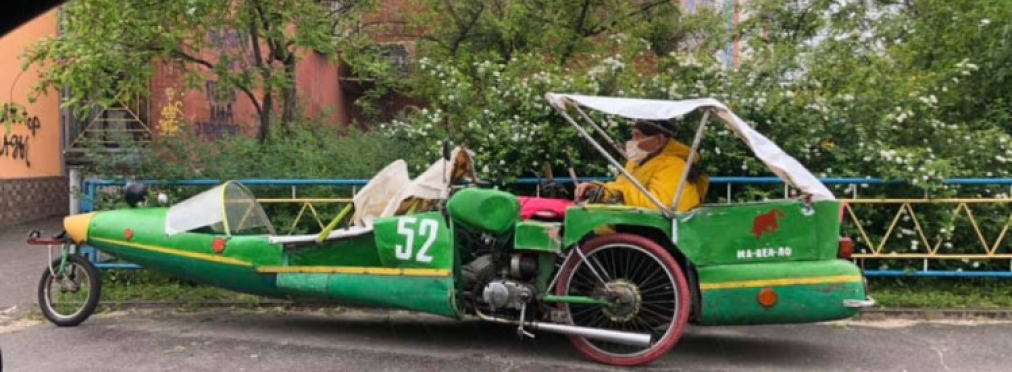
26, 153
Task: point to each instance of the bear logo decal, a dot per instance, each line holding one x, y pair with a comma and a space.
767, 223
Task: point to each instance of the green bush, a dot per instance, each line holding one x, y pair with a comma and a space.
306, 151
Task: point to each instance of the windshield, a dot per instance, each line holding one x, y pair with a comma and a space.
228, 209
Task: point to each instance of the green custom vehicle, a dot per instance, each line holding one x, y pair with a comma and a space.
621, 282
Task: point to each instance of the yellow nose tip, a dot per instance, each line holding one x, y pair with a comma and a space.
77, 226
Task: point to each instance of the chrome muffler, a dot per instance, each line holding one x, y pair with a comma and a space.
619, 337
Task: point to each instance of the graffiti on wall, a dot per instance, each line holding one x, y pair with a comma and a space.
172, 112
15, 146
220, 121
233, 43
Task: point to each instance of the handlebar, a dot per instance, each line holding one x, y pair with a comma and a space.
35, 238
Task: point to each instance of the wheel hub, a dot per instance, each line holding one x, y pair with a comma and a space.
625, 301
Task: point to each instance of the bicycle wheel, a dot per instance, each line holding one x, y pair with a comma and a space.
69, 297
653, 289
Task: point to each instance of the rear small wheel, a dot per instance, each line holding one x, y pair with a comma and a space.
649, 292
68, 297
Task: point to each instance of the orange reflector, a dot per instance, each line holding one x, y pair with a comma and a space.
128, 234
218, 245
846, 248
767, 298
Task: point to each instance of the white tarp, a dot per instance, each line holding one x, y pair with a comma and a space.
386, 191
432, 184
779, 162
372, 200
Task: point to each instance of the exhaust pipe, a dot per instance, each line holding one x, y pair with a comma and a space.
618, 337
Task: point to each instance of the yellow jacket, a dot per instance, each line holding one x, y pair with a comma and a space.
660, 175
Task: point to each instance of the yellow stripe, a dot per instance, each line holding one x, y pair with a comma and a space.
781, 282
353, 270
176, 252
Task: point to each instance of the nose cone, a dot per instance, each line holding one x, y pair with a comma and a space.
77, 226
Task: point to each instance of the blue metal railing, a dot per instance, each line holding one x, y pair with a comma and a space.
91, 187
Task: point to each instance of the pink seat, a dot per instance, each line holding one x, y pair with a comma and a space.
543, 208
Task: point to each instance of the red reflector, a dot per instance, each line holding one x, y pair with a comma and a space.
846, 248
218, 245
767, 298
128, 234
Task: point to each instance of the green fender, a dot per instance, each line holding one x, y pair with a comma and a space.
583, 220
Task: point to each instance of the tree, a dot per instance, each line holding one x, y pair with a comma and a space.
108, 48
559, 30
484, 67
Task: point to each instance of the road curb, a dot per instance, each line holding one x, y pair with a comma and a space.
930, 314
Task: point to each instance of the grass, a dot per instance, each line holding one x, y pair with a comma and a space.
942, 293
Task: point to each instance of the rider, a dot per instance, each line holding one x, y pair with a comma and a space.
657, 161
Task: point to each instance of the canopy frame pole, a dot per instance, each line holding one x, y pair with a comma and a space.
583, 132
688, 161
601, 131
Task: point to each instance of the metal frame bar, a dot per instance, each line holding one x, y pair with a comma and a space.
639, 186
601, 131
688, 161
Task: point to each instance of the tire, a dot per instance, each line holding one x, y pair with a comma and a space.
643, 270
80, 308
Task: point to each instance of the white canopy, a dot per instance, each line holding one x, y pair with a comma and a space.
779, 162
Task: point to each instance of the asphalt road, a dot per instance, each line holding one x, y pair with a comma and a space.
225, 340
269, 340
21, 265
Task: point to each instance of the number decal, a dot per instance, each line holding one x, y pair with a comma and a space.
406, 226
403, 252
430, 229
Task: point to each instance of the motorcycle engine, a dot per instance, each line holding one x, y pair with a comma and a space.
507, 294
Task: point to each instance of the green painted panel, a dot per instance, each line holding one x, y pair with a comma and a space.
582, 220
796, 304
538, 236
414, 241
784, 230
806, 291
776, 270
432, 295
352, 251
232, 277
148, 227
188, 255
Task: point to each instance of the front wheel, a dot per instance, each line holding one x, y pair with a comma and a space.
69, 295
647, 288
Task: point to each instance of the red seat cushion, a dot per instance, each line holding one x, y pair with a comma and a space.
543, 208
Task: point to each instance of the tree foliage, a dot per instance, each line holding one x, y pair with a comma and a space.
108, 49
907, 90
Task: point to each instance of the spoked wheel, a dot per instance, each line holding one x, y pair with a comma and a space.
648, 293
67, 297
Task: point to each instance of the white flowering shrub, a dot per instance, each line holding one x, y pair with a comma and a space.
865, 92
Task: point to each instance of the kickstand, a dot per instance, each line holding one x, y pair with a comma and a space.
520, 327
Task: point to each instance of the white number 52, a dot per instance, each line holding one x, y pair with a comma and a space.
407, 227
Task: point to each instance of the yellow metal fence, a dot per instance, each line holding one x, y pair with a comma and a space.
962, 237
